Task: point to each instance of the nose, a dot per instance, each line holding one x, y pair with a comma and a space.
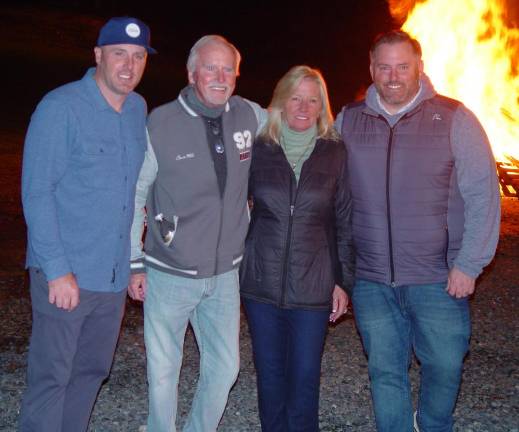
303, 106
220, 75
393, 75
129, 62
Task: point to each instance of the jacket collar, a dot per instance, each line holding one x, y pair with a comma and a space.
373, 107
189, 110
97, 98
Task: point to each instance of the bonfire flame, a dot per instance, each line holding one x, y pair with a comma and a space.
471, 55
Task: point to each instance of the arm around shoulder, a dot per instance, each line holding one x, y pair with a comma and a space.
261, 113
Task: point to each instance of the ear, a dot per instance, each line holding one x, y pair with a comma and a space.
191, 76
420, 66
371, 71
98, 53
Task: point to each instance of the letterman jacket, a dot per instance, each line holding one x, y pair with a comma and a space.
191, 230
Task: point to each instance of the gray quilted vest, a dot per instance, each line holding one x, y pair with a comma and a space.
407, 209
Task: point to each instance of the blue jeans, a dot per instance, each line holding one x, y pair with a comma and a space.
212, 306
287, 346
392, 322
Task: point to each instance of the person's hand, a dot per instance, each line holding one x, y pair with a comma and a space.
64, 292
137, 287
459, 284
340, 303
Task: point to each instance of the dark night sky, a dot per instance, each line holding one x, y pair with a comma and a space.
272, 36
48, 43
333, 38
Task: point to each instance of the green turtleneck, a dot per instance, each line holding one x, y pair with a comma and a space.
297, 146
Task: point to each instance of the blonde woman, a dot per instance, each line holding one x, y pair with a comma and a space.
298, 249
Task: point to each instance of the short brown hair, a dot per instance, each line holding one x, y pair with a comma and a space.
393, 37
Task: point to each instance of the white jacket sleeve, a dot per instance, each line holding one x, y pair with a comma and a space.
147, 176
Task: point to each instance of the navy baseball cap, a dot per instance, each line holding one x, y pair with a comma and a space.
125, 30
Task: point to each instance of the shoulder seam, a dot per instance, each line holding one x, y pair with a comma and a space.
355, 104
446, 101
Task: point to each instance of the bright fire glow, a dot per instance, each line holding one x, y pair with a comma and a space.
471, 55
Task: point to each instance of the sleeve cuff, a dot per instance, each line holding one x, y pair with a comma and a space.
137, 266
469, 270
56, 268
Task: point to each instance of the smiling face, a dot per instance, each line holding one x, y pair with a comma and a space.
395, 69
303, 107
214, 74
119, 69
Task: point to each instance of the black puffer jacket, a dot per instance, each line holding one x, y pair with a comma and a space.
299, 240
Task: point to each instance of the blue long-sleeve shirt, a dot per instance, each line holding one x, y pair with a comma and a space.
80, 166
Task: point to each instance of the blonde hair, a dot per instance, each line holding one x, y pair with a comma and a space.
285, 87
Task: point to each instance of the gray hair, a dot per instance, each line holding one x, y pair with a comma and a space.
207, 40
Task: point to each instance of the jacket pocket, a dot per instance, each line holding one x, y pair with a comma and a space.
168, 228
99, 146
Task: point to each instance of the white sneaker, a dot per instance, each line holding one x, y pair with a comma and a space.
416, 429
143, 428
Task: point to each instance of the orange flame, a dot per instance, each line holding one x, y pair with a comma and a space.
471, 55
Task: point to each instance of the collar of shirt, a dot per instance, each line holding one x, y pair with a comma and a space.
97, 97
404, 108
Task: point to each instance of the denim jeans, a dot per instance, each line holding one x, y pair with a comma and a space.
212, 306
287, 346
393, 321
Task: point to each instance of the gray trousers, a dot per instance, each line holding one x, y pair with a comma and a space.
70, 354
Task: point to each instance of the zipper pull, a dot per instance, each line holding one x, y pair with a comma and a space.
292, 210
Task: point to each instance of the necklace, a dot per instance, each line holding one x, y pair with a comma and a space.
305, 151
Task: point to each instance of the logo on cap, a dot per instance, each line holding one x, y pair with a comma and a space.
133, 30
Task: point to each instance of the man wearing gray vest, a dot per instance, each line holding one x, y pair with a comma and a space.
426, 212
194, 185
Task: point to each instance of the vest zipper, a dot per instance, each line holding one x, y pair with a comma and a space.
388, 208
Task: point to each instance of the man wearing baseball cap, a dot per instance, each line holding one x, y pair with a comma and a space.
83, 152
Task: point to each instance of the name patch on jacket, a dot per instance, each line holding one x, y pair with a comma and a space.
243, 141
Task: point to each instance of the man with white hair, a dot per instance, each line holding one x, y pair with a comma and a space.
194, 185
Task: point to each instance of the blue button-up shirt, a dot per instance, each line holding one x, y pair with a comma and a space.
80, 166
